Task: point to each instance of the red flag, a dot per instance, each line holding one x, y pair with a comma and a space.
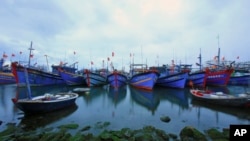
113, 54
5, 56
223, 58
13, 55
31, 55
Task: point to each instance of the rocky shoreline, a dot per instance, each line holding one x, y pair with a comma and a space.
147, 133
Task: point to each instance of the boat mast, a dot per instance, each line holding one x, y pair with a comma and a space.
218, 51
200, 59
30, 52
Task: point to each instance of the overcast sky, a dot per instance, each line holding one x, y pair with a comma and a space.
93, 29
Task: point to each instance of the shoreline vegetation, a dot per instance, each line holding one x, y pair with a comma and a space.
147, 133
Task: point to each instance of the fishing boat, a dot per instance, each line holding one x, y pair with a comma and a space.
239, 78
197, 77
44, 103
218, 74
38, 76
95, 78
241, 74
220, 98
117, 79
177, 80
6, 76
170, 77
70, 74
142, 78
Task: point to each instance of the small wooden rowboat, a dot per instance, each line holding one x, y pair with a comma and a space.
46, 102
220, 98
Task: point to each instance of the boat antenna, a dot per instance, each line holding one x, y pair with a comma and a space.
30, 52
200, 59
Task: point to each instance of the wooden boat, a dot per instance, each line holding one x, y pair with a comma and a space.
81, 90
220, 98
46, 103
117, 79
143, 78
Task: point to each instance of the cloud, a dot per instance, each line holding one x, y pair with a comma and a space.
165, 28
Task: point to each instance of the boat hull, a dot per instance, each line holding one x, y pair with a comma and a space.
94, 79
221, 99
197, 79
116, 79
144, 80
218, 78
43, 106
239, 80
7, 78
177, 80
35, 77
72, 79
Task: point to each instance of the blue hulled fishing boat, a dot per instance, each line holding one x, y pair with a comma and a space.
241, 74
6, 76
177, 80
38, 76
71, 76
95, 78
142, 77
117, 79
170, 77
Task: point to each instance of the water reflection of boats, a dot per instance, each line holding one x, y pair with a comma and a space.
241, 113
117, 94
34, 121
145, 98
94, 93
175, 96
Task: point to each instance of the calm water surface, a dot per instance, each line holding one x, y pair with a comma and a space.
125, 107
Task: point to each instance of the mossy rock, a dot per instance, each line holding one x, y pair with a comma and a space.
165, 119
69, 126
190, 133
214, 134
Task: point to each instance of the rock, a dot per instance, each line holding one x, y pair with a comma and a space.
214, 134
165, 119
190, 133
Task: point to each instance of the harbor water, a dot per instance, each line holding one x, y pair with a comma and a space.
126, 107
